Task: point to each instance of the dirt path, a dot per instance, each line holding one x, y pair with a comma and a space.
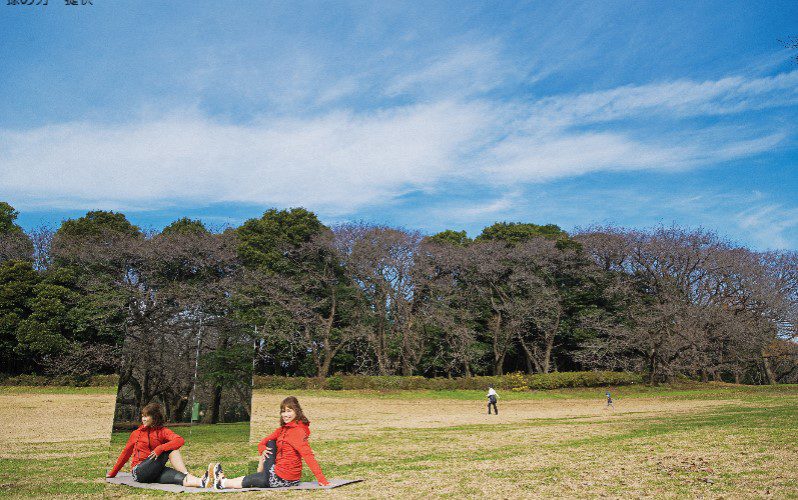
332, 416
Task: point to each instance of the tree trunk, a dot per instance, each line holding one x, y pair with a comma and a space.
216, 404
532, 365
498, 367
498, 352
547, 353
768, 369
652, 367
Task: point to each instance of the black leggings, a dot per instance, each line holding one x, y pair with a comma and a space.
494, 407
263, 479
154, 470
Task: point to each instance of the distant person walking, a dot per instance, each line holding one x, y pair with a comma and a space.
609, 401
492, 398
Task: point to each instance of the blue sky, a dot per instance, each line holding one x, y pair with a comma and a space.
431, 116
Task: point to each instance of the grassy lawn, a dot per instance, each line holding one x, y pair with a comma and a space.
712, 441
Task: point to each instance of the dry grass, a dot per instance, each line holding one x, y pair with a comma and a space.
718, 443
53, 418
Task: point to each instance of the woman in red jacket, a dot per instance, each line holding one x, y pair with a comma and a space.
280, 454
151, 445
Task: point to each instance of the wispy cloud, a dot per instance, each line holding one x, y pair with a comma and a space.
676, 99
341, 160
767, 224
338, 161
460, 72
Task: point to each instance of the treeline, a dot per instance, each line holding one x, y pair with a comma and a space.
369, 299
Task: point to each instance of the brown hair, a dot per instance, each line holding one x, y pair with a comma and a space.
293, 403
155, 412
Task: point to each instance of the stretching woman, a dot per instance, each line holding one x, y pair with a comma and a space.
151, 445
280, 454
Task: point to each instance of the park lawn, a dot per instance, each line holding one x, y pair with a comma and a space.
698, 441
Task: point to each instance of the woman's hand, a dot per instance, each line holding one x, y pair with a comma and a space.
152, 455
325, 483
266, 452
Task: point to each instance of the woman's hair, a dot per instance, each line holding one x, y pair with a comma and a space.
293, 403
155, 412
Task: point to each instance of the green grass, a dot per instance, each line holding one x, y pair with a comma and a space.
677, 391
743, 447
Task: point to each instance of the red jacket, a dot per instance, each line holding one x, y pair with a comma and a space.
292, 447
144, 441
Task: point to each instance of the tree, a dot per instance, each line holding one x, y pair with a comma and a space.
17, 282
7, 217
380, 261
263, 241
185, 226
791, 43
449, 311
692, 303
98, 223
458, 238
516, 232
14, 243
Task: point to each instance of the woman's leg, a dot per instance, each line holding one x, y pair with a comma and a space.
170, 476
176, 459
259, 479
191, 480
150, 470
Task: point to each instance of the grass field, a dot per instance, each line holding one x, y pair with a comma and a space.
704, 441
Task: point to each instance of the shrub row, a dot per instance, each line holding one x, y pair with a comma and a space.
513, 381
60, 380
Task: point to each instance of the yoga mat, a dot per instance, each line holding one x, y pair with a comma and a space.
126, 479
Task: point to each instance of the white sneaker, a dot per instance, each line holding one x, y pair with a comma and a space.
218, 476
208, 478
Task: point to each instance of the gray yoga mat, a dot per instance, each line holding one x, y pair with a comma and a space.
126, 479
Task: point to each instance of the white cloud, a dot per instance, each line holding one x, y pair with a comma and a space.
681, 98
547, 156
340, 161
766, 224
470, 69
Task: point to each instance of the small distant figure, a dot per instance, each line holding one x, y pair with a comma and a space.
492, 398
609, 401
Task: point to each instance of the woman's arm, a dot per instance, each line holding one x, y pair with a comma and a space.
173, 442
300, 444
262, 444
125, 455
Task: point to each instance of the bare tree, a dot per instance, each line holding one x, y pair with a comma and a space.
380, 261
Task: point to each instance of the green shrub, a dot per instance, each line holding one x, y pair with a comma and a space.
334, 383
60, 380
513, 382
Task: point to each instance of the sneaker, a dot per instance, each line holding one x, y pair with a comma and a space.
209, 478
218, 476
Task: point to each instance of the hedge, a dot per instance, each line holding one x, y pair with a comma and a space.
61, 380
513, 381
